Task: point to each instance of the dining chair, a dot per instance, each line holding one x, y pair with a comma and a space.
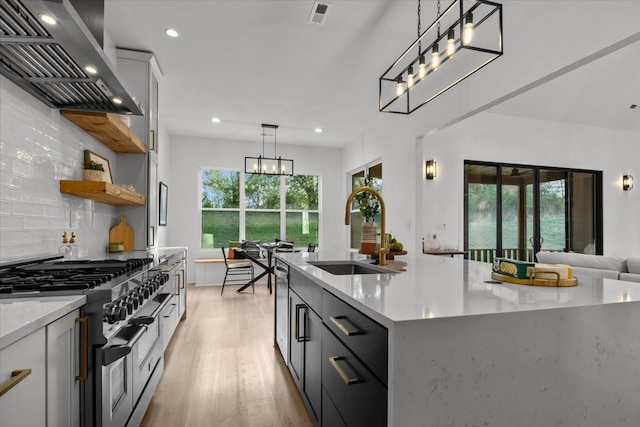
312, 247
284, 246
236, 272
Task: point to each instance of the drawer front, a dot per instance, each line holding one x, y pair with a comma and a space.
309, 291
365, 337
330, 415
359, 397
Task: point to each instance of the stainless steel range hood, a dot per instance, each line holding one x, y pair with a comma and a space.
49, 61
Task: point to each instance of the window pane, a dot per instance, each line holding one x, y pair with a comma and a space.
264, 226
218, 227
302, 228
302, 192
220, 189
262, 191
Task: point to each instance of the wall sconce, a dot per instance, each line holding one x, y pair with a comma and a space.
627, 182
431, 170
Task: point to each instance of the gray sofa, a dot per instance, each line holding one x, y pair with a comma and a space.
595, 265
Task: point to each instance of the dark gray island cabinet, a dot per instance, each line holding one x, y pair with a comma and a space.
440, 345
337, 357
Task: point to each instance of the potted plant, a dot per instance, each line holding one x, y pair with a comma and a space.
369, 207
93, 171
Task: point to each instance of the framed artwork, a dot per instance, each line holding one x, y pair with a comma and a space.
91, 156
164, 190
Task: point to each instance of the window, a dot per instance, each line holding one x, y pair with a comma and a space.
220, 207
258, 207
301, 209
517, 210
374, 171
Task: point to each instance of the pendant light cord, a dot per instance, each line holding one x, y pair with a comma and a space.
419, 42
438, 17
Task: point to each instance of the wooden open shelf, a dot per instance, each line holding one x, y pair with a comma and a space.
102, 192
109, 129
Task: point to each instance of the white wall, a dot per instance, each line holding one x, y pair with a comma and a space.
509, 139
39, 147
164, 176
189, 155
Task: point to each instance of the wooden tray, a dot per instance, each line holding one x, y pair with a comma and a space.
532, 281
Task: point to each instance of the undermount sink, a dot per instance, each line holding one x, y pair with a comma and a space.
342, 268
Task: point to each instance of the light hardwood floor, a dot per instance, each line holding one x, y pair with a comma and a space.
221, 367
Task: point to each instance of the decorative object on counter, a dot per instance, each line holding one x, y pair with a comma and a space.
268, 165
431, 169
406, 85
122, 234
116, 247
369, 208
164, 191
64, 248
395, 247
73, 248
94, 162
347, 219
533, 274
627, 182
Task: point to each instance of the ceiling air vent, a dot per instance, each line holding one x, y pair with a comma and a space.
318, 13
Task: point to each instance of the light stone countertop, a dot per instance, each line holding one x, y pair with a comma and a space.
440, 287
21, 316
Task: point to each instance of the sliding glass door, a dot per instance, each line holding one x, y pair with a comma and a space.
515, 211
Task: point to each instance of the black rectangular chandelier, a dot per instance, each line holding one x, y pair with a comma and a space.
263, 165
462, 40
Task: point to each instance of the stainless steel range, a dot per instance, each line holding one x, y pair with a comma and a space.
124, 301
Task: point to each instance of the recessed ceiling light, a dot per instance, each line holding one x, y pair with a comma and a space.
91, 69
171, 32
117, 100
48, 19
215, 120
318, 130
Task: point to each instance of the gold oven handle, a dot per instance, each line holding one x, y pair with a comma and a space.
84, 375
16, 377
334, 362
348, 332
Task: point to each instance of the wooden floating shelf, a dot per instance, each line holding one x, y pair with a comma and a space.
102, 192
109, 129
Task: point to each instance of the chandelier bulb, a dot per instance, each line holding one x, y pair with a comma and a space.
468, 29
451, 43
399, 87
410, 79
422, 67
255, 167
435, 57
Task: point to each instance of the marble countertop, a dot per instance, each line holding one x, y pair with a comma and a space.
439, 287
21, 316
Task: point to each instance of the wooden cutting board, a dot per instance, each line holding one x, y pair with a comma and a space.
122, 233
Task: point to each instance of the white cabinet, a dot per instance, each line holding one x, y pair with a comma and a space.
65, 369
140, 73
24, 404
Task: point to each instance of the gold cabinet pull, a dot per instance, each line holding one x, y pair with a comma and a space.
16, 377
84, 374
334, 362
348, 332
153, 139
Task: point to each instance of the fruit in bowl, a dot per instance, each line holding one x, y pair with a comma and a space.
393, 245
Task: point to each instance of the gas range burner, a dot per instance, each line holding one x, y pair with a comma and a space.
76, 275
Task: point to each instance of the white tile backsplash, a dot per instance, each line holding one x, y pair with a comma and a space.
39, 147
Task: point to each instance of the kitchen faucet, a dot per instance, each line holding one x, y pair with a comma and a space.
382, 252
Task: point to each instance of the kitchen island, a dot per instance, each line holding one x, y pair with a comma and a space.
463, 350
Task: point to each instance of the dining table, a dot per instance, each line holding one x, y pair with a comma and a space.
268, 268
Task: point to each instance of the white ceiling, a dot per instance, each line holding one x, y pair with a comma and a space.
253, 62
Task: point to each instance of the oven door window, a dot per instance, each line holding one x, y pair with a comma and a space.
118, 381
